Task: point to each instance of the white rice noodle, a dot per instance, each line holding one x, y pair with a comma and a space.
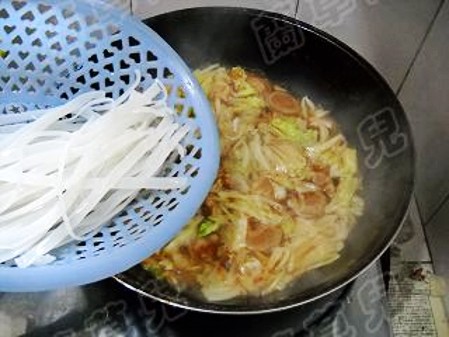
72, 168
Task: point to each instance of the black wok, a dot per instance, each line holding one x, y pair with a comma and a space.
308, 62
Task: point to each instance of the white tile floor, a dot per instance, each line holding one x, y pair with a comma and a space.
146, 8
387, 33
426, 100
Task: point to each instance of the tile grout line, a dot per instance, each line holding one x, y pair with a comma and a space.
420, 47
422, 225
296, 9
445, 199
441, 204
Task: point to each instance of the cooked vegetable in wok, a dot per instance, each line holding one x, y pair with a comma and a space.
284, 202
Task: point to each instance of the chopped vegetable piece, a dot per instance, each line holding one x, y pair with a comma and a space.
207, 227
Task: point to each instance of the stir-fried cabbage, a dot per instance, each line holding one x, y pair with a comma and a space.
286, 197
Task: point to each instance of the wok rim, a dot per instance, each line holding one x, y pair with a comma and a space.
292, 302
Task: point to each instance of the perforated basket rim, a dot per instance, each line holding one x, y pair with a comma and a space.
95, 268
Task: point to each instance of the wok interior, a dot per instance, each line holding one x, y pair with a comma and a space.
331, 75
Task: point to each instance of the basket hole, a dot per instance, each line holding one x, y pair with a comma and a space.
52, 20
68, 12
133, 41
59, 61
133, 226
152, 72
125, 79
112, 29
93, 73
93, 59
31, 89
47, 69
124, 65
194, 173
180, 92
151, 57
189, 148
50, 34
108, 83
97, 243
107, 53
126, 221
197, 134
64, 96
135, 57
17, 40
198, 154
70, 39
91, 19
8, 29
89, 45
37, 43
13, 65
23, 55
177, 159
65, 73
81, 79
157, 220
5, 79
74, 90
4, 14
191, 113
114, 233
41, 57
23, 80
75, 26
75, 52
98, 235
18, 4
56, 46
30, 31
172, 204
109, 67
99, 250
179, 108
117, 44
187, 168
28, 16
185, 191
167, 74
98, 34
42, 8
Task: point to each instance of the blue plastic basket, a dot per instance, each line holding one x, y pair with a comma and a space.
53, 50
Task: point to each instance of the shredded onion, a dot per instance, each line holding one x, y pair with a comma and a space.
67, 170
